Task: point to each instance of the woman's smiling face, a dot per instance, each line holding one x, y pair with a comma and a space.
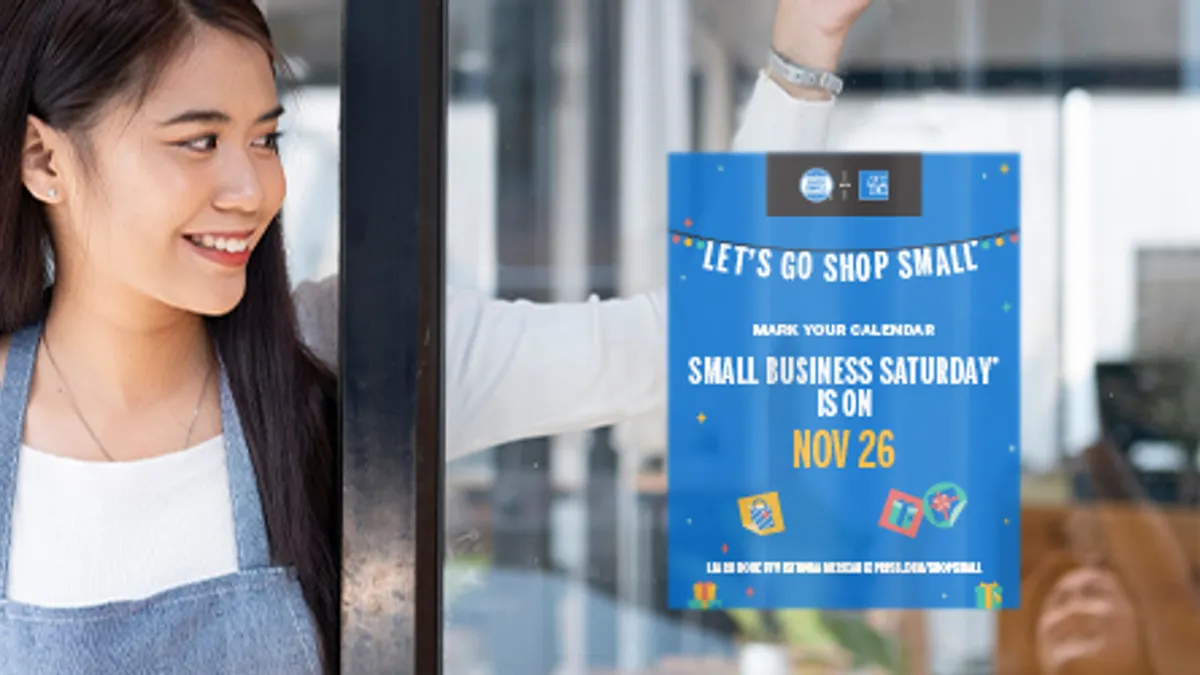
169, 195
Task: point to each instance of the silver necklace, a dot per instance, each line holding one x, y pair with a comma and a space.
66, 389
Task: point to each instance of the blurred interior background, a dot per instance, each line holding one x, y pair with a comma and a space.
560, 116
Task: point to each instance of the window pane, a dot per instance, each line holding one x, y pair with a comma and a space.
560, 118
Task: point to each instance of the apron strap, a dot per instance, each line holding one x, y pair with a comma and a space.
253, 547
14, 397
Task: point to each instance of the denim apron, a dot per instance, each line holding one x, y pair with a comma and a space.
251, 622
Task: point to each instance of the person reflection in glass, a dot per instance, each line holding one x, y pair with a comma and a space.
1085, 620
1117, 597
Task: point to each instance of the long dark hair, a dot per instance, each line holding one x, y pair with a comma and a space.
61, 61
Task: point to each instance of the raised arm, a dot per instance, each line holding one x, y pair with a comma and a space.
520, 369
517, 369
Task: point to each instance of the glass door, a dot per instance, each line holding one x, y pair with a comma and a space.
560, 115
503, 161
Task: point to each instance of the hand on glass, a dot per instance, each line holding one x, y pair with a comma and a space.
813, 32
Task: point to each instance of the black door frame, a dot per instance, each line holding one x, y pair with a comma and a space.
391, 318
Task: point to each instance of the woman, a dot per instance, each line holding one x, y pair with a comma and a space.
139, 144
167, 463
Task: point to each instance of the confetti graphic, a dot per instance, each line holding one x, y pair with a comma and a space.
843, 371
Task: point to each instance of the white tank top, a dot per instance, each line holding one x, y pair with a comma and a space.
89, 533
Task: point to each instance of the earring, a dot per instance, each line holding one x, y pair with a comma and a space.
53, 193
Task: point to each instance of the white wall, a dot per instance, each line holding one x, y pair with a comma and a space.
471, 147
1136, 153
1145, 149
310, 161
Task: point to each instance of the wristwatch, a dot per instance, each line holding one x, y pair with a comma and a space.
803, 76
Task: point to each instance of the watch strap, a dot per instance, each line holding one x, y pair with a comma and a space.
803, 76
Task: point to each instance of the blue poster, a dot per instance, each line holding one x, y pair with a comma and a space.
844, 362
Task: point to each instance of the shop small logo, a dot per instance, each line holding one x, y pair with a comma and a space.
873, 186
944, 503
816, 185
761, 514
902, 513
704, 595
989, 596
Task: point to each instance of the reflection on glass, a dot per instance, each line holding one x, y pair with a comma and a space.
1088, 613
